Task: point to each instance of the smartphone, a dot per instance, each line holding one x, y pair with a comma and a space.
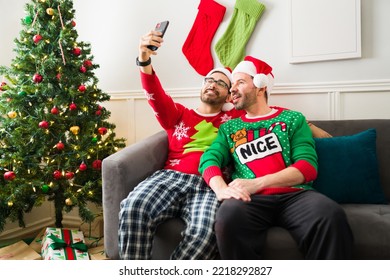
162, 27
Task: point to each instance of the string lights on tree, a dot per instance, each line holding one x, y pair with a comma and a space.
54, 129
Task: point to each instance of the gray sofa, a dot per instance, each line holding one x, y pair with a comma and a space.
370, 222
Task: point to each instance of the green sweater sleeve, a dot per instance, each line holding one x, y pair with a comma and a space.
215, 157
302, 144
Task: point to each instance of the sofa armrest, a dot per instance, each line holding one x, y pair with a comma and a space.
121, 172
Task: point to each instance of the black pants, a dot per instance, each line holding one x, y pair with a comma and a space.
317, 223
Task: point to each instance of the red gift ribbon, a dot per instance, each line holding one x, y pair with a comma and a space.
69, 252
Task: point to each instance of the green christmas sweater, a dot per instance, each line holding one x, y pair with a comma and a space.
261, 146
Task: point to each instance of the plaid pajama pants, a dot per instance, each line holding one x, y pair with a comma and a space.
164, 195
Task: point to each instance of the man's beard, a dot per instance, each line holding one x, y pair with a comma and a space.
245, 101
217, 100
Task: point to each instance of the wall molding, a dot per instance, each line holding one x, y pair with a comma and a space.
283, 88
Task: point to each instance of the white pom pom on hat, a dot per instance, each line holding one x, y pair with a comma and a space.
227, 107
259, 70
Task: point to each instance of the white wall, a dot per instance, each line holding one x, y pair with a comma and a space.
113, 28
342, 89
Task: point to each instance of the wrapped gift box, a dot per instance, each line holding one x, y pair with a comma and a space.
94, 229
97, 253
64, 244
36, 244
18, 251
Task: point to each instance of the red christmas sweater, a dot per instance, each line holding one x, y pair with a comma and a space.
189, 132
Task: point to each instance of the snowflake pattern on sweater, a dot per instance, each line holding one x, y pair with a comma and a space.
189, 132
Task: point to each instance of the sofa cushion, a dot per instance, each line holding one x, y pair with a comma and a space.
348, 168
370, 224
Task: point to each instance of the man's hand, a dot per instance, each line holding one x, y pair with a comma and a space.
224, 191
250, 185
151, 38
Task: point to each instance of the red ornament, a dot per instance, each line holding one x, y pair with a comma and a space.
9, 175
76, 51
82, 88
37, 78
100, 107
83, 69
60, 146
69, 175
98, 112
83, 167
73, 23
102, 130
2, 86
58, 76
37, 38
72, 107
54, 110
97, 164
57, 175
87, 63
44, 124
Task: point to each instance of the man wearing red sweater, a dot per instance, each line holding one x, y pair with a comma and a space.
177, 190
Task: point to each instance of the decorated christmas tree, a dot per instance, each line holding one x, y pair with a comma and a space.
54, 131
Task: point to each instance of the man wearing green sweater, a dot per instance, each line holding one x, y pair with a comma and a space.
275, 161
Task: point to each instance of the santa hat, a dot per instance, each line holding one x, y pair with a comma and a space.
225, 71
259, 70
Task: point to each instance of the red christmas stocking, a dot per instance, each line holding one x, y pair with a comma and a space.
197, 47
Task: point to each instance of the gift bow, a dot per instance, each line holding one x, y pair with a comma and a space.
59, 243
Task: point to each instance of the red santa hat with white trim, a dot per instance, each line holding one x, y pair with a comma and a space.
259, 70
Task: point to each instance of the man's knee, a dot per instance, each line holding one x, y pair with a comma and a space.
229, 215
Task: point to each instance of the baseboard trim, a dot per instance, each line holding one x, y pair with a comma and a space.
27, 231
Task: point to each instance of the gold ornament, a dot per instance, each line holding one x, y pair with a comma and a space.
50, 11
12, 114
68, 202
42, 1
75, 129
10, 203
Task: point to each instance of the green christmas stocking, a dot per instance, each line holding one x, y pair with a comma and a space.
230, 48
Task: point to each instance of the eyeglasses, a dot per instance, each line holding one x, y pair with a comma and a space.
219, 83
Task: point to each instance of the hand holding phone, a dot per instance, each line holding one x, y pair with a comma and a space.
161, 27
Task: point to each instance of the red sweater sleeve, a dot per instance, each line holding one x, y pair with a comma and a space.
165, 109
211, 172
308, 170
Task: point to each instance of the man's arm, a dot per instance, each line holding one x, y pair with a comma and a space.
318, 132
289, 176
223, 191
165, 109
215, 157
